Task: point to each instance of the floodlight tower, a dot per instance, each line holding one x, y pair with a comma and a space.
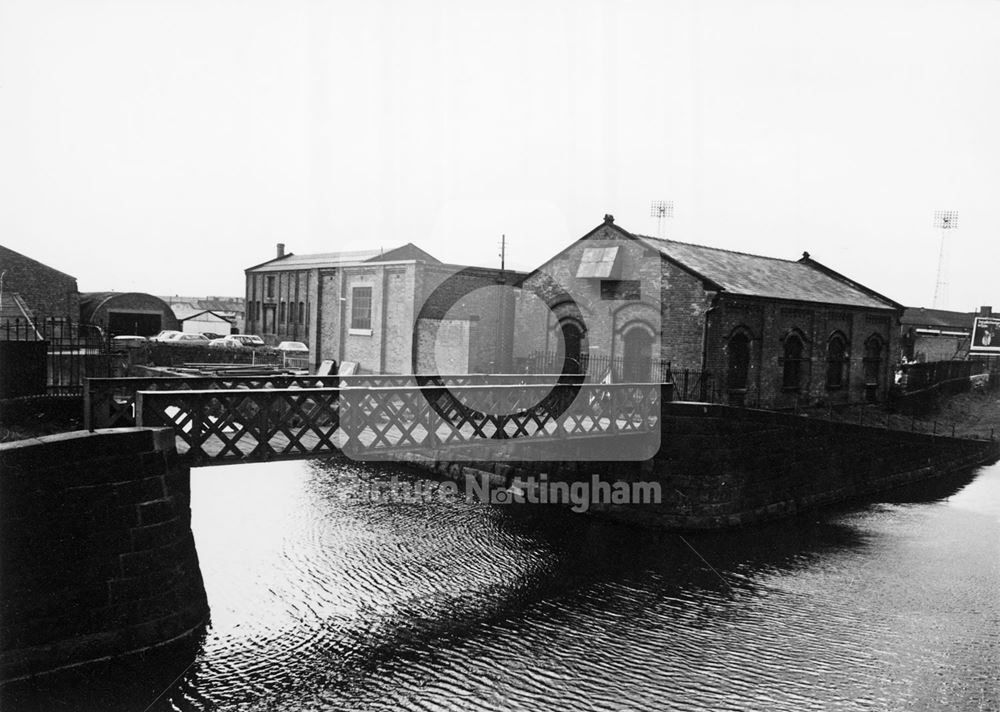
660, 209
944, 220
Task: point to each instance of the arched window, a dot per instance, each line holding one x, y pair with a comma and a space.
573, 347
291, 312
873, 360
739, 361
638, 356
281, 313
836, 361
791, 374
302, 312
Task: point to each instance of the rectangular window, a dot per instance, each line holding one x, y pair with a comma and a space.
620, 289
270, 287
361, 308
598, 262
281, 313
302, 312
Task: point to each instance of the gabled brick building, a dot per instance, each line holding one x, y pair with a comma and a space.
764, 330
34, 290
935, 334
366, 307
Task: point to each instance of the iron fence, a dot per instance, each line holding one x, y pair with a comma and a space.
917, 376
74, 351
598, 368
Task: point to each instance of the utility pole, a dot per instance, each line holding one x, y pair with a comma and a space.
498, 359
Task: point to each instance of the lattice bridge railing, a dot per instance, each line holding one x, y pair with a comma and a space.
219, 426
110, 402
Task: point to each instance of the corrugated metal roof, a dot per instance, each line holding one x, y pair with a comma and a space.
921, 316
318, 260
756, 275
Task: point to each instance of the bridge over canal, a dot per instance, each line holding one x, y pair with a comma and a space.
220, 420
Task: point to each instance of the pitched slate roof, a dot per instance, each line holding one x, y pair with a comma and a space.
756, 275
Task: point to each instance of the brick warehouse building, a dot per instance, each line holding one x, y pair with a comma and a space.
365, 307
935, 334
767, 331
34, 290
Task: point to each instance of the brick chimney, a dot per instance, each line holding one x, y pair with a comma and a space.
281, 250
985, 311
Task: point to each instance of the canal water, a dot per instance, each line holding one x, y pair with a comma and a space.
324, 602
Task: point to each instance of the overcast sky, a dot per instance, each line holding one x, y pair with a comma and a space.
165, 146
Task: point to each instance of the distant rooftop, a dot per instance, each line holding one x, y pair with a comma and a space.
756, 275
922, 316
405, 252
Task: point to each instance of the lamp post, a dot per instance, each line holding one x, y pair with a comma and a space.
944, 220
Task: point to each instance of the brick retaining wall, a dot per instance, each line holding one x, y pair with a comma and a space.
98, 559
720, 466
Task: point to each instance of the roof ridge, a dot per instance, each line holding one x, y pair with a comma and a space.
717, 249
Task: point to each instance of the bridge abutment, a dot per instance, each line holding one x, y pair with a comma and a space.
97, 557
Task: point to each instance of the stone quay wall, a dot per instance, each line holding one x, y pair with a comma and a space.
97, 557
721, 466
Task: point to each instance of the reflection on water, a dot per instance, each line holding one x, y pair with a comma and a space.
323, 603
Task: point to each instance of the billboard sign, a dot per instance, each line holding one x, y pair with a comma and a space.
986, 335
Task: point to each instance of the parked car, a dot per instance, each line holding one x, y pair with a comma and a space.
128, 341
237, 341
212, 335
164, 335
294, 354
187, 340
293, 348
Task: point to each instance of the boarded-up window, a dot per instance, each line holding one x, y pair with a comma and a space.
598, 263
361, 308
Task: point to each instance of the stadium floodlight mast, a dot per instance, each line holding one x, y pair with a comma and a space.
944, 220
660, 209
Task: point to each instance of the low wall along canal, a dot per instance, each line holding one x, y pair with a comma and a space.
720, 466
